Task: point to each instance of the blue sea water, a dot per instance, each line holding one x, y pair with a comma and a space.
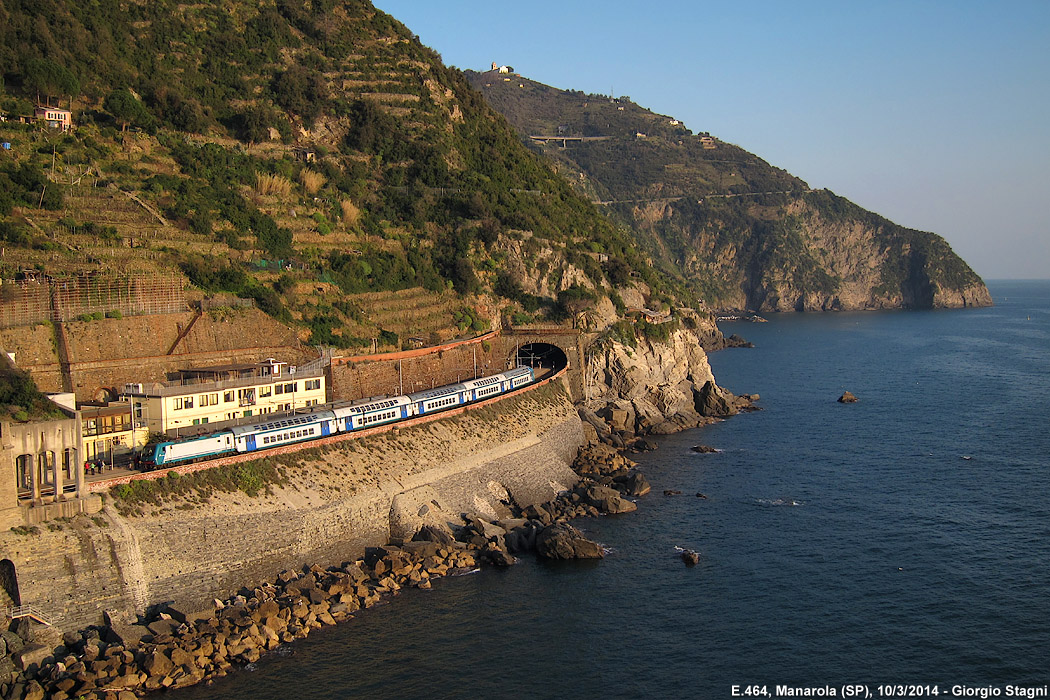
901, 539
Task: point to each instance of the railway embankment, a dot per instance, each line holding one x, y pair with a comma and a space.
325, 505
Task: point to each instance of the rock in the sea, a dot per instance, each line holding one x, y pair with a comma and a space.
643, 445
703, 449
634, 484
711, 401
690, 557
736, 341
563, 541
607, 500
847, 397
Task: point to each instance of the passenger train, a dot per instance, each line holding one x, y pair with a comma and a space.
335, 420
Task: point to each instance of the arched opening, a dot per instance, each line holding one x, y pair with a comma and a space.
70, 466
8, 584
24, 475
46, 472
544, 358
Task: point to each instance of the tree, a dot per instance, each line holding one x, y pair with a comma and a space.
46, 77
575, 300
127, 109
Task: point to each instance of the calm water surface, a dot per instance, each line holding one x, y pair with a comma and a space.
902, 539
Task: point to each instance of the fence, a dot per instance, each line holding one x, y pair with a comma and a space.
27, 302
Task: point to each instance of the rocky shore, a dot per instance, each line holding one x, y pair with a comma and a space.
173, 648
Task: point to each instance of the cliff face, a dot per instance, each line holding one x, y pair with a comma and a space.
817, 252
653, 387
744, 233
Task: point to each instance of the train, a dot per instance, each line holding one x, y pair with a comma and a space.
333, 420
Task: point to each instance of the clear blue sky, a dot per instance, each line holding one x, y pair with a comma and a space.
933, 114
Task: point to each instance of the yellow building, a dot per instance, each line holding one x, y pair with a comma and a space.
109, 432
223, 394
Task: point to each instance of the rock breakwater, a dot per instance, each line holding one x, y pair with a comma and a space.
174, 647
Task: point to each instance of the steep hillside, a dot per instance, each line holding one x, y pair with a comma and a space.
311, 156
749, 235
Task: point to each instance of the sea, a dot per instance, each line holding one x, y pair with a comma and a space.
903, 540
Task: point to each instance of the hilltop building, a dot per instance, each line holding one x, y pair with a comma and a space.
54, 117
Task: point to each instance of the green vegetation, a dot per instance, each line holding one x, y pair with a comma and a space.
20, 399
252, 478
707, 211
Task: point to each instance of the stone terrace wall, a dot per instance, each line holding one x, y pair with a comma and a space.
415, 370
111, 352
342, 497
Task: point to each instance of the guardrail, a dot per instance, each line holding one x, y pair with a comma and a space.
19, 611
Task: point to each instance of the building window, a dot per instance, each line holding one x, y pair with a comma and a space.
265, 391
229, 396
311, 384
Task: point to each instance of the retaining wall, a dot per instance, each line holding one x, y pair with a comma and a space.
341, 496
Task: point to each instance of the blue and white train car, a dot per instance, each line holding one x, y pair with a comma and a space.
438, 399
519, 376
186, 450
283, 431
478, 389
373, 413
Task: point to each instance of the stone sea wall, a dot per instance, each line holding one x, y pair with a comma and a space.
336, 500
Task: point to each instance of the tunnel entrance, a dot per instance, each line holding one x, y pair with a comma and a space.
544, 358
8, 584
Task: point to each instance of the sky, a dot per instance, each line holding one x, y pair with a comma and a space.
932, 113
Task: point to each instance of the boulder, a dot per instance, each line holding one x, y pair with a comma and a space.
703, 449
590, 433
563, 541
847, 397
499, 558
634, 484
31, 656
127, 635
421, 549
163, 626
441, 534
12, 642
736, 341
34, 691
690, 557
486, 529
711, 401
643, 445
607, 500
601, 428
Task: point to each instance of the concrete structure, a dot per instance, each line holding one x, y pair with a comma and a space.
223, 393
44, 461
360, 490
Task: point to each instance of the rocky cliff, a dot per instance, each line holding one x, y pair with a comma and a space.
744, 233
653, 387
814, 252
